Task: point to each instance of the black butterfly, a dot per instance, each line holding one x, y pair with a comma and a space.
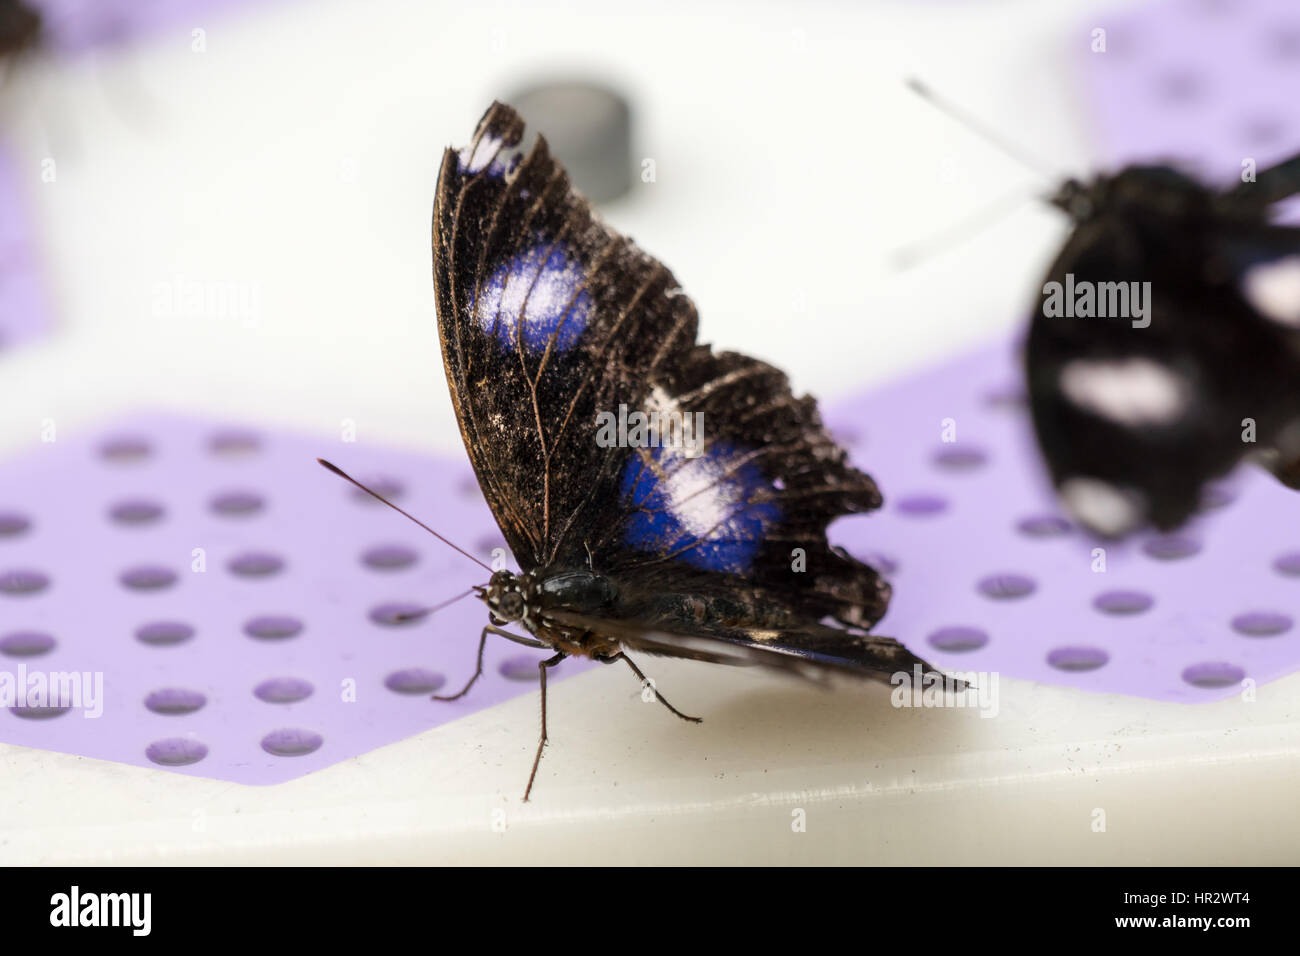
20, 32
1135, 413
714, 551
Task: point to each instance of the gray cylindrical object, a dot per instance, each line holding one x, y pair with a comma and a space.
589, 130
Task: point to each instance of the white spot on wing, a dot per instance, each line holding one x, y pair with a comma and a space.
699, 500
1274, 289
483, 154
1133, 391
1101, 506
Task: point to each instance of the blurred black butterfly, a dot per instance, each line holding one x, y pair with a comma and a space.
1165, 346
1187, 358
712, 551
20, 32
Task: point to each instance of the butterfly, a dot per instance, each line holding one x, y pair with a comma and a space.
704, 538
20, 32
1136, 412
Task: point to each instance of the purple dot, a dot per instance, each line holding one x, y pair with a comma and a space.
1006, 398
173, 701
1288, 564
255, 564
469, 488
237, 504
291, 742
1285, 41
235, 443
1214, 497
389, 557
922, 506
12, 524
1262, 623
1122, 602
1261, 131
41, 712
147, 577
283, 690
1044, 526
383, 485
1077, 659
1171, 547
414, 680
1006, 586
125, 449
1179, 86
847, 435
1213, 674
164, 633
958, 640
272, 627
135, 512
885, 565
397, 614
520, 668
26, 644
176, 751
960, 459
23, 581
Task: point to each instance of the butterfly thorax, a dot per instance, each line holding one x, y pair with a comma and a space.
530, 598
1145, 192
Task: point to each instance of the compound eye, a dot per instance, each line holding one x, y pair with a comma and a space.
512, 605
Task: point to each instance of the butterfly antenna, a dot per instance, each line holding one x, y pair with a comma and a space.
908, 256
986, 133
378, 497
426, 611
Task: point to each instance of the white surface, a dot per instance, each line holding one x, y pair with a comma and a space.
626, 782
296, 157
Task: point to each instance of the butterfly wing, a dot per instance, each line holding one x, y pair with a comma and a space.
559, 336
810, 651
545, 317
551, 325
1134, 417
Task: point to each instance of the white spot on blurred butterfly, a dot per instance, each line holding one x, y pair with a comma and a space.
1274, 289
1133, 391
1101, 506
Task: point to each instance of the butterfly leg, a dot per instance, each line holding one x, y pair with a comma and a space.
645, 681
541, 674
482, 642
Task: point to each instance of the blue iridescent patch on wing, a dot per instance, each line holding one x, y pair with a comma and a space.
538, 294
711, 509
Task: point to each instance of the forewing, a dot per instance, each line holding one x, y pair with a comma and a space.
557, 333
545, 316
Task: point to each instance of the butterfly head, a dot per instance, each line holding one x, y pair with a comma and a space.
1076, 199
1151, 192
507, 596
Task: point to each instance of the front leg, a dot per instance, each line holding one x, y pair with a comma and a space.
482, 642
541, 673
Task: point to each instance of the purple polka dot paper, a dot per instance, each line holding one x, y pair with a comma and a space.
75, 26
24, 306
240, 605
989, 575
1206, 83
